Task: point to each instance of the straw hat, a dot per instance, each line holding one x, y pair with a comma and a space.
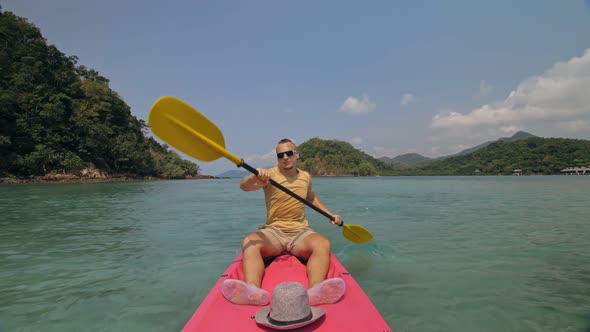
289, 308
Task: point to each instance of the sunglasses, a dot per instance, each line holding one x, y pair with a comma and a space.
288, 153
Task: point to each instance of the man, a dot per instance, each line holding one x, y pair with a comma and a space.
286, 230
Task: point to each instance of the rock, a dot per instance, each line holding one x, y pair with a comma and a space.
58, 177
93, 173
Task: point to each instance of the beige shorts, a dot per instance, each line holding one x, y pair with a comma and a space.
281, 240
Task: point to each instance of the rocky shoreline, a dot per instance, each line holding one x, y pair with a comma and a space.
91, 176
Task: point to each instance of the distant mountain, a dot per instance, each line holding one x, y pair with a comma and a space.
411, 159
395, 163
415, 159
534, 155
234, 173
516, 137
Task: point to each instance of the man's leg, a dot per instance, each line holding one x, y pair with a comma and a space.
254, 248
316, 249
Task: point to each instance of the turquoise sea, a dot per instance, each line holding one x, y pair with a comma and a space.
449, 254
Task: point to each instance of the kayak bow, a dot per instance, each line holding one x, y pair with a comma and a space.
354, 312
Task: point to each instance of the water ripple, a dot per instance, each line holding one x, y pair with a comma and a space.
449, 254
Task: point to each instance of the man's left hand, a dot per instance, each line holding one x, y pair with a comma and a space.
337, 220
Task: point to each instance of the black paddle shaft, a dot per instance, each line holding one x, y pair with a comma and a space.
289, 192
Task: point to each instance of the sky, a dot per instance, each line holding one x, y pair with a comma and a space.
389, 77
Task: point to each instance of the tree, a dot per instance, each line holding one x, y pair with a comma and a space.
56, 116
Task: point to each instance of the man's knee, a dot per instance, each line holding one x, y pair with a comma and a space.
252, 241
320, 243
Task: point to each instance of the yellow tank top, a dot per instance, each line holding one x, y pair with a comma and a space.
283, 211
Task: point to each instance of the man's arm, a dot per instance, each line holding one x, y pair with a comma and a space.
315, 200
254, 182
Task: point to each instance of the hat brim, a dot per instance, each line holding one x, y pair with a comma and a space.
262, 319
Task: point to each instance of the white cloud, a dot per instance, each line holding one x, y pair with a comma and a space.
407, 99
510, 130
561, 94
435, 151
355, 106
355, 140
385, 152
575, 126
484, 89
262, 160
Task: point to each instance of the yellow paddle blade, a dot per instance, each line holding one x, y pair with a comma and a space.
356, 233
186, 129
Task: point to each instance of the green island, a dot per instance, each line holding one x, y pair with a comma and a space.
525, 155
60, 121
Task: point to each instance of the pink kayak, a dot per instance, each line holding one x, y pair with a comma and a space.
354, 311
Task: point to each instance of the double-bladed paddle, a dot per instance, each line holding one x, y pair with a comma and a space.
189, 131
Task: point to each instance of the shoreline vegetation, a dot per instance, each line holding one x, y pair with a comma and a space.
521, 155
69, 178
72, 178
61, 122
64, 178
94, 176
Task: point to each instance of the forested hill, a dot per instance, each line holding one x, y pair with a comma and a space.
533, 156
58, 117
541, 156
333, 157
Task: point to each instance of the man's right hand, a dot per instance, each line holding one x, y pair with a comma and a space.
254, 182
263, 176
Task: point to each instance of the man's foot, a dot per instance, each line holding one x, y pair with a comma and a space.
239, 292
326, 292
